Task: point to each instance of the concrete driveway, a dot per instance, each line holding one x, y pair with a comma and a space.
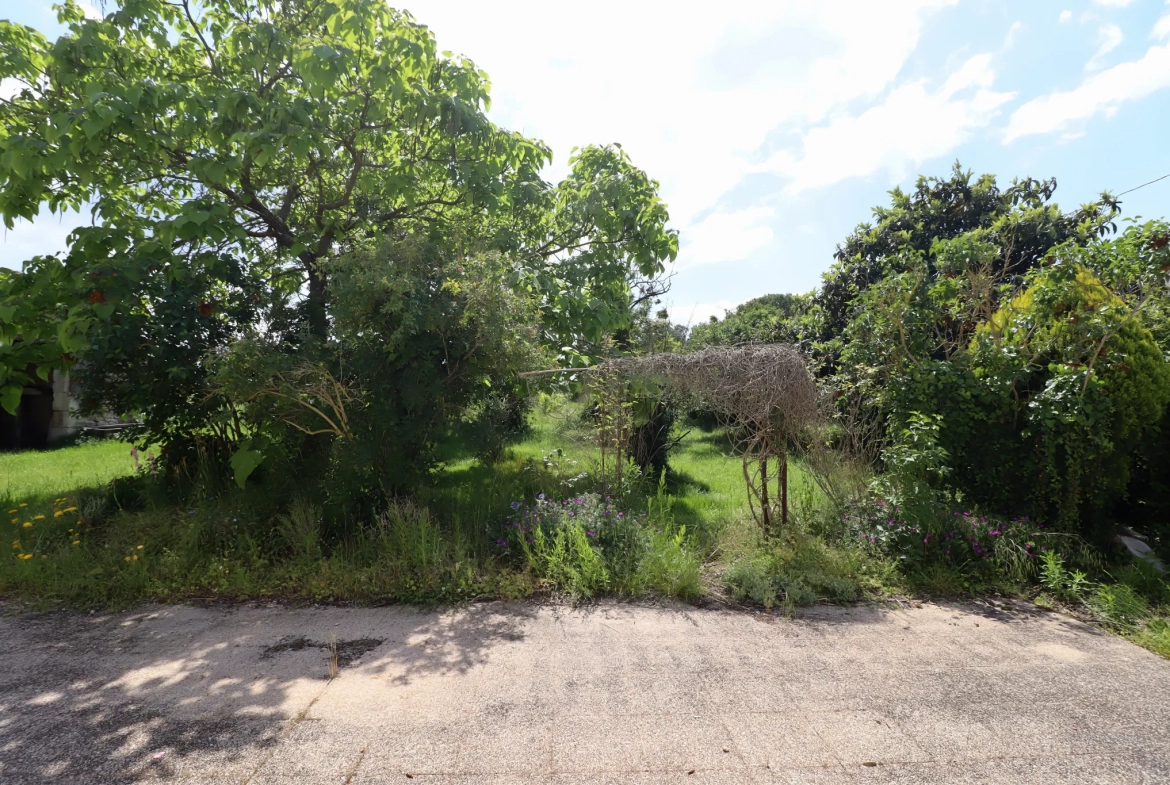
500, 693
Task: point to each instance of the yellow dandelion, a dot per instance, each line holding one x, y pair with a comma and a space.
77, 542
69, 509
28, 524
139, 547
16, 543
24, 504
16, 520
12, 512
38, 517
81, 520
26, 556
126, 559
58, 514
135, 557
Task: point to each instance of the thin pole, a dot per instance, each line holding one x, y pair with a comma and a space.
784, 487
764, 493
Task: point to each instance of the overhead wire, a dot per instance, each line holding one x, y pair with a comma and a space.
1143, 185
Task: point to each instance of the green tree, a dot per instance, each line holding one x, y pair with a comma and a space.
651, 331
422, 339
1020, 222
595, 248
1030, 334
773, 318
1046, 389
231, 150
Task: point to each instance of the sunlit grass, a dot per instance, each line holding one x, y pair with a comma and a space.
221, 541
36, 475
706, 479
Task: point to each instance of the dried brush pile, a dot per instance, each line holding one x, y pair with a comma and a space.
764, 393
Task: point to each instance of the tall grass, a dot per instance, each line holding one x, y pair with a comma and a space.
136, 539
82, 528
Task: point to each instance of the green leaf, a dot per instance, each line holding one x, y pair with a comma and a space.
104, 310
10, 397
7, 312
244, 462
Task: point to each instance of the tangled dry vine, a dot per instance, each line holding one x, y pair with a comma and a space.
763, 392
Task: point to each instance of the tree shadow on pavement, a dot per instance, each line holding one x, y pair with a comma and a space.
181, 692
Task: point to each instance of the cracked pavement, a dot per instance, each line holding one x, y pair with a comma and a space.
610, 692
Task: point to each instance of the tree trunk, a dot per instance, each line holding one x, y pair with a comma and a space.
317, 446
767, 512
317, 312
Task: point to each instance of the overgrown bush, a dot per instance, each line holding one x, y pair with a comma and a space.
300, 528
1090, 381
1119, 604
911, 515
424, 345
654, 415
672, 567
421, 560
586, 545
798, 570
1155, 636
1034, 339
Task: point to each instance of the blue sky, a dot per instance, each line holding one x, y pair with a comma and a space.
775, 126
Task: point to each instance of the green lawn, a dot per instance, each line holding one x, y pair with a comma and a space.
707, 480
38, 475
708, 484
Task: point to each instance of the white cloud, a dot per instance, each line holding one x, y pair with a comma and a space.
1109, 37
691, 95
912, 125
1161, 28
1102, 93
9, 87
724, 237
1112, 3
1065, 16
1013, 32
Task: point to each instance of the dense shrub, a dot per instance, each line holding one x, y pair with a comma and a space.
798, 570
586, 545
1020, 222
153, 360
1090, 381
424, 345
1047, 387
654, 414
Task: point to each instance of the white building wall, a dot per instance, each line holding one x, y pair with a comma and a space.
66, 420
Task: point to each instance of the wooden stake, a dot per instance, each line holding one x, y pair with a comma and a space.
784, 488
764, 494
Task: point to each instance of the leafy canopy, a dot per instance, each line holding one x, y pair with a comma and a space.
773, 318
1020, 222
229, 150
